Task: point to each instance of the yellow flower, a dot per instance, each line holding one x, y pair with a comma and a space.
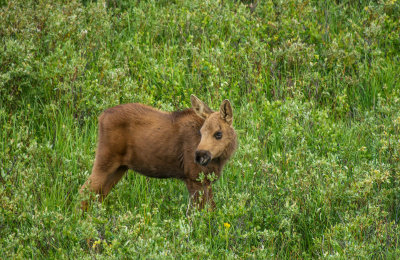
363, 149
227, 225
96, 243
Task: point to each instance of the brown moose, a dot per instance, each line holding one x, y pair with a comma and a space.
160, 144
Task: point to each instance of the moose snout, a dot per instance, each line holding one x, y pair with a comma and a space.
202, 157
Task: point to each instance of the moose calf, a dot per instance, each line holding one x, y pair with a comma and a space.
160, 144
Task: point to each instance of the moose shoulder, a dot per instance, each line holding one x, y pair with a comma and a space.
163, 145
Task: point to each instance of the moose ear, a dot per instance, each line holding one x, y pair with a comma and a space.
226, 111
201, 109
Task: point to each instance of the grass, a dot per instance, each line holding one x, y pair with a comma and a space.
316, 99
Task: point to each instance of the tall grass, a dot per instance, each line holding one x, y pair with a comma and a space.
316, 97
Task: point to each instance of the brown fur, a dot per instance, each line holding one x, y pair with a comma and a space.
162, 145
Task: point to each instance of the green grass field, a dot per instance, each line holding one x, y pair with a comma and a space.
315, 88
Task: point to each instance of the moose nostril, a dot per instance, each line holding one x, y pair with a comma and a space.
198, 158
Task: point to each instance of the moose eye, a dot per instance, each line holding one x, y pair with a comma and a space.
218, 135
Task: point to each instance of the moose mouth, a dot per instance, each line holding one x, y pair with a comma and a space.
203, 157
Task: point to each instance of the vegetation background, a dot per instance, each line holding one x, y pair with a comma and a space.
316, 94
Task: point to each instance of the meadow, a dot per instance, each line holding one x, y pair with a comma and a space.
316, 96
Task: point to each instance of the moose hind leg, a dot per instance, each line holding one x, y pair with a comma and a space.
111, 181
103, 178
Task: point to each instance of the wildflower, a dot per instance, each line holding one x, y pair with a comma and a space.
227, 226
363, 149
96, 243
84, 33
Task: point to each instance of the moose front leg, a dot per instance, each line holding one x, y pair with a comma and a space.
200, 193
